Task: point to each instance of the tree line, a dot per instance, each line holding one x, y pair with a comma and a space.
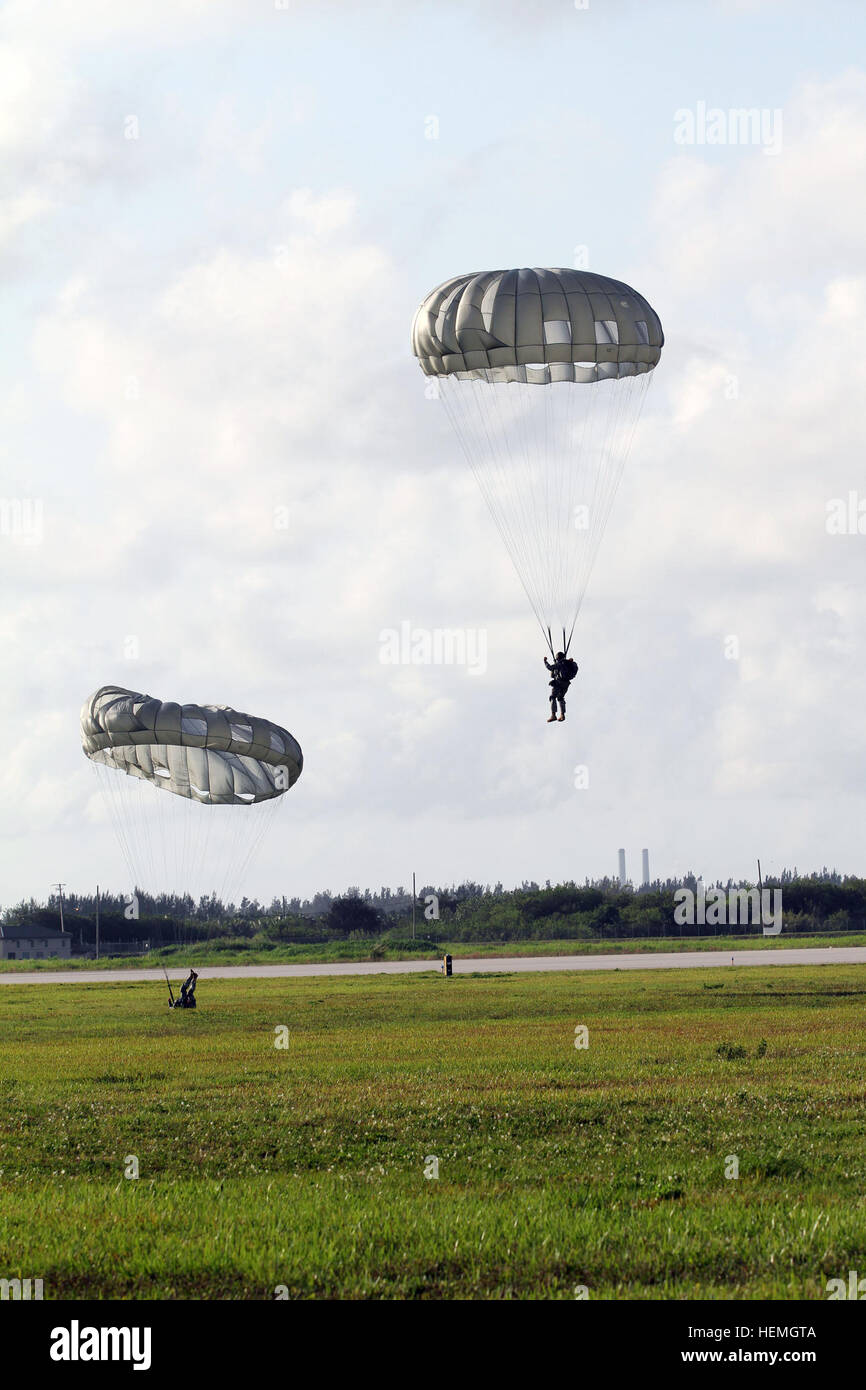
824, 901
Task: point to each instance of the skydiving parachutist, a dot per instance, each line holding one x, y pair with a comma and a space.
563, 670
542, 372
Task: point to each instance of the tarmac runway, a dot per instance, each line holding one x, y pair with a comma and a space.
669, 960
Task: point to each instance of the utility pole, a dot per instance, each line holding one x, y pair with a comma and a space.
413, 906
60, 887
760, 896
97, 921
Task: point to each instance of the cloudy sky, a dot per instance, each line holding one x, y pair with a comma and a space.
221, 480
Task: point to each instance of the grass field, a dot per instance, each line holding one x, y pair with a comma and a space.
207, 953
559, 1167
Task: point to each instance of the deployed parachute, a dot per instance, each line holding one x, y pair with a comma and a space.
191, 788
208, 752
543, 374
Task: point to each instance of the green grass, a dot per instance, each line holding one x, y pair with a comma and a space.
558, 1167
207, 953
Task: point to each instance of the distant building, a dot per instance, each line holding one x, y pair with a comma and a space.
33, 943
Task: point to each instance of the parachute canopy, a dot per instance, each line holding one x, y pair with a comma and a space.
228, 772
542, 374
537, 326
207, 753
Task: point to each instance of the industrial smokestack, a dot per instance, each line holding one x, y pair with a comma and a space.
645, 878
622, 878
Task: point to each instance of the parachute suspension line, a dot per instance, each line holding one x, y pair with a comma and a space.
168, 842
564, 467
103, 776
489, 458
204, 841
603, 449
463, 425
548, 460
515, 480
187, 848
265, 813
601, 452
512, 492
513, 487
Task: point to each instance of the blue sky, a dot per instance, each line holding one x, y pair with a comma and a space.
212, 320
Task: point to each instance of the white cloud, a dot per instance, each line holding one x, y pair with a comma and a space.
788, 222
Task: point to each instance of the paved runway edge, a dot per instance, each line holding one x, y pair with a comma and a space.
671, 960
